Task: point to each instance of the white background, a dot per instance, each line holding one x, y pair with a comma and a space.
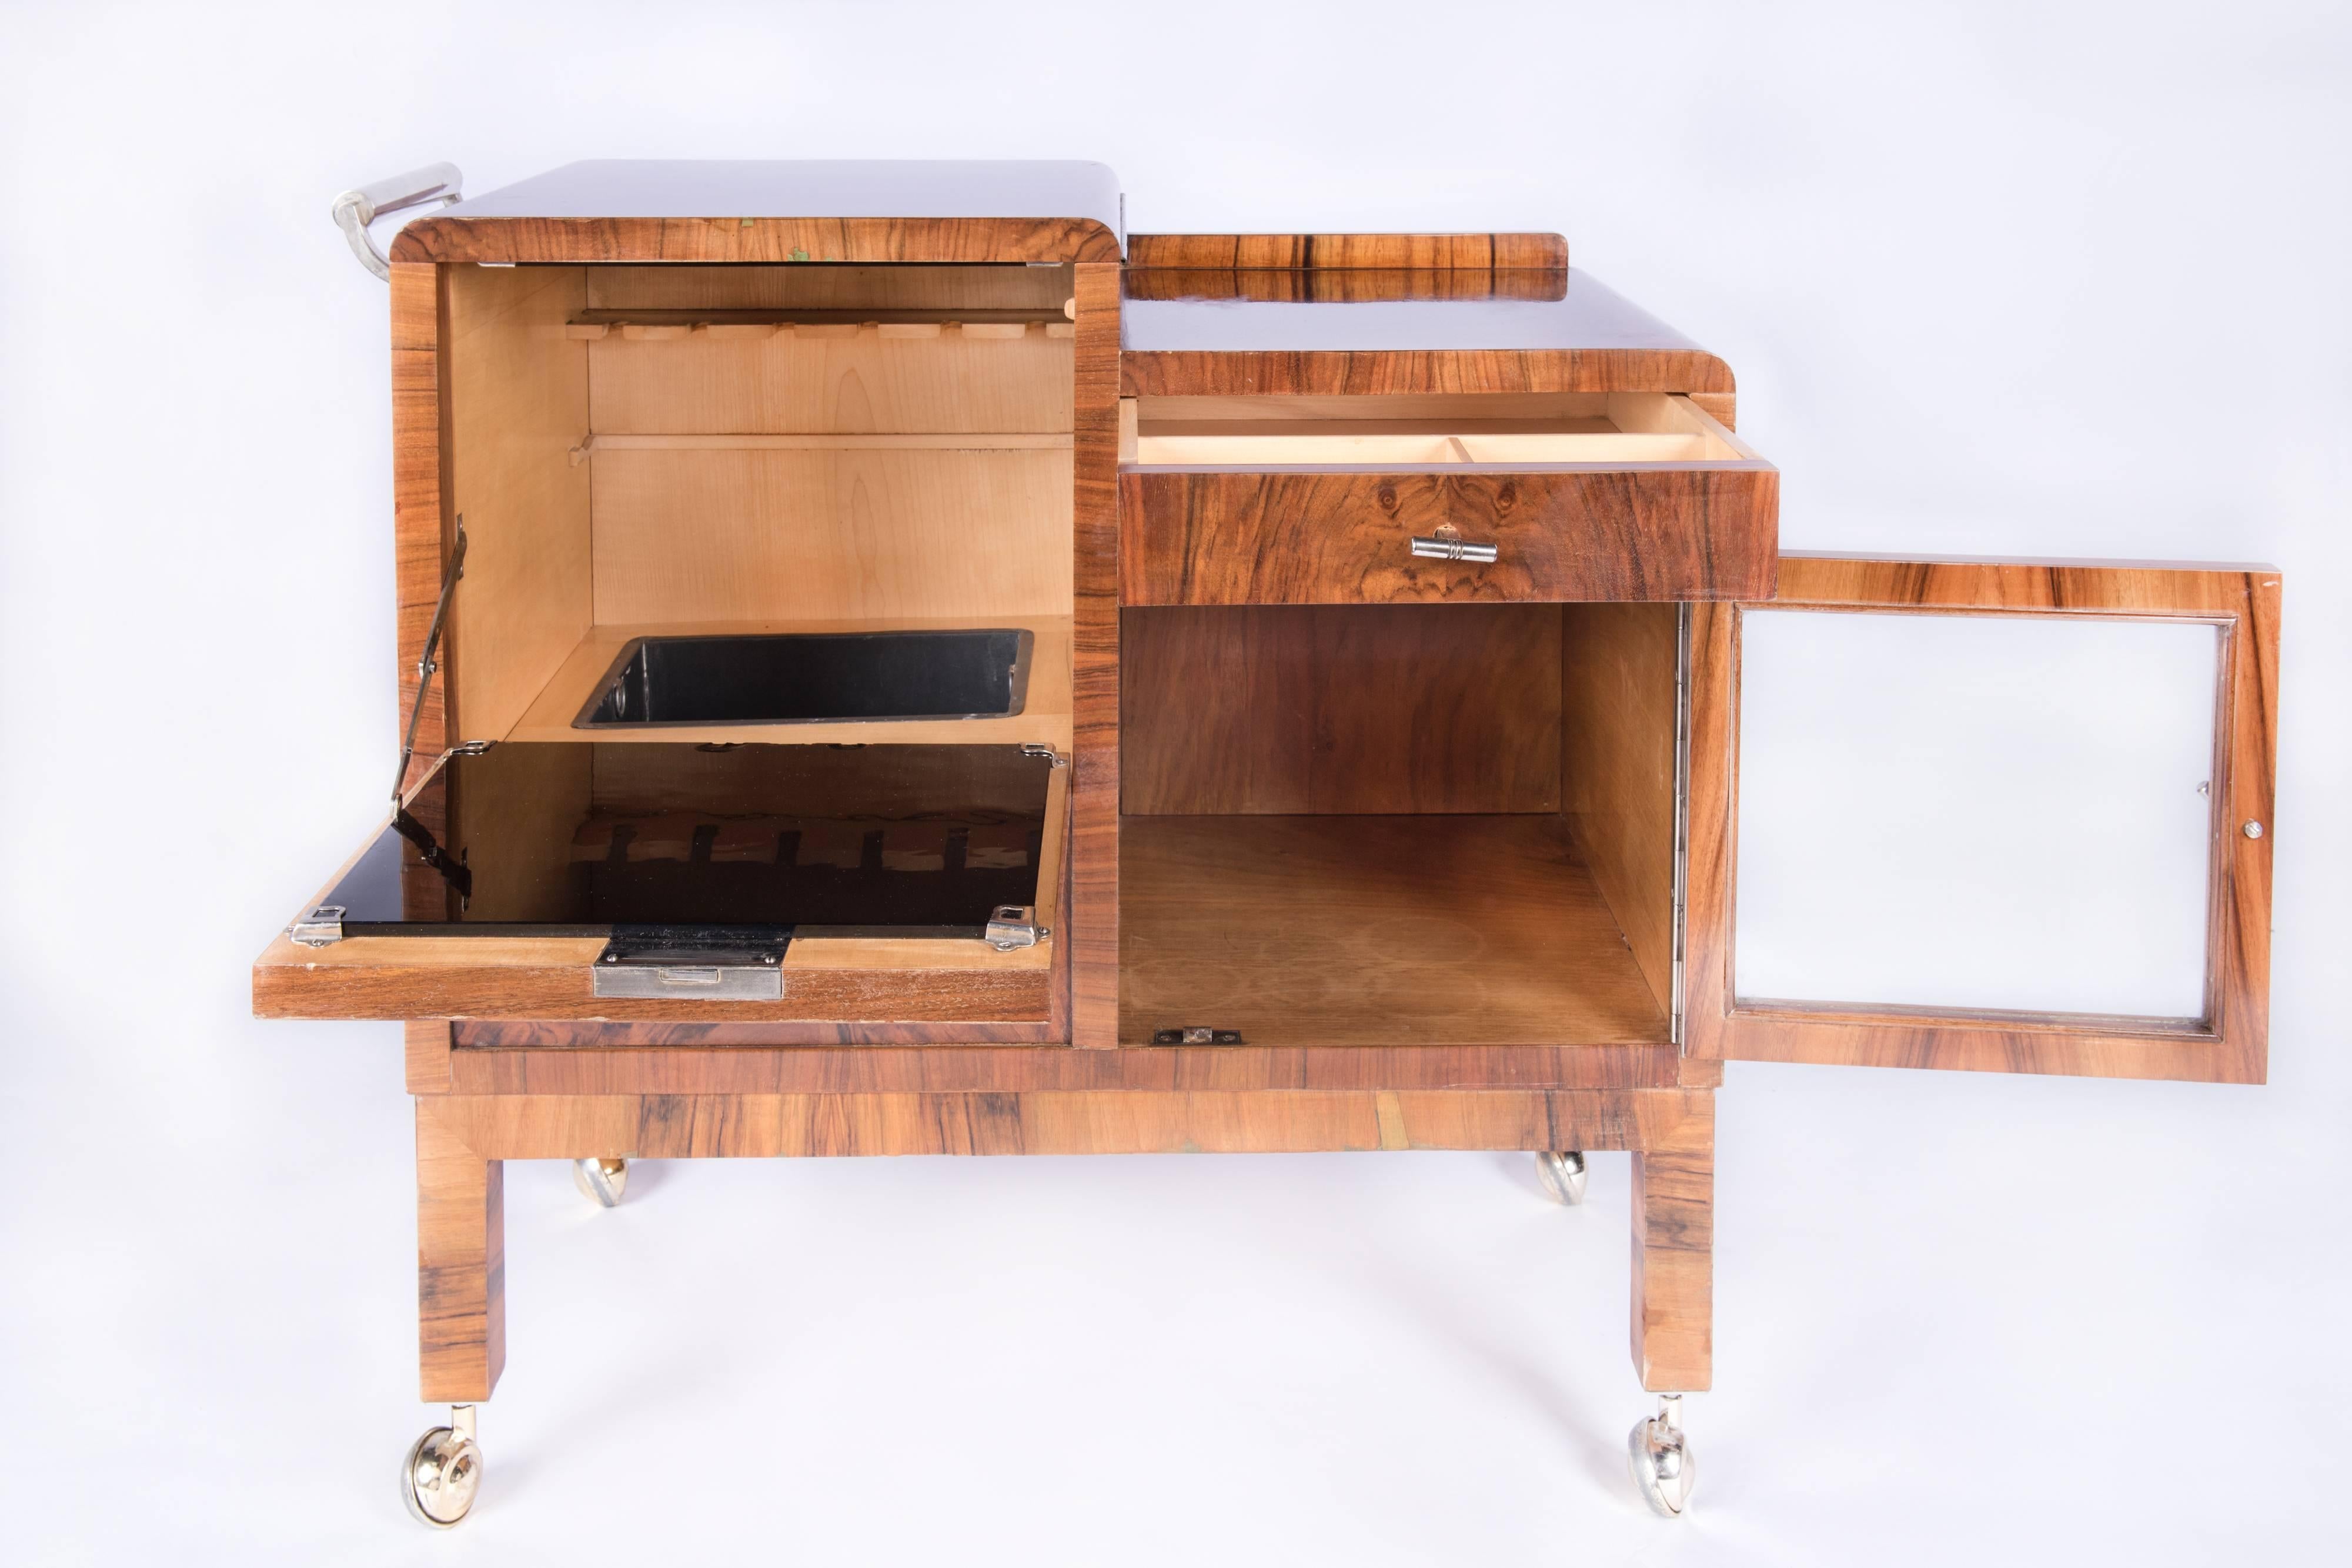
2028, 280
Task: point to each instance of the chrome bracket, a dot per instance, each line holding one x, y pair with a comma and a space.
1012, 926
323, 927
353, 211
687, 964
1193, 1034
1033, 749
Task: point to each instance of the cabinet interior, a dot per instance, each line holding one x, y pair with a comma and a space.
650, 450
1409, 824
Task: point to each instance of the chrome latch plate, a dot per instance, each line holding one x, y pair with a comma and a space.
1193, 1034
320, 928
692, 965
1012, 926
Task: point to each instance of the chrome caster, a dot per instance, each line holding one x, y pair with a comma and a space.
443, 1472
1562, 1175
1661, 1459
601, 1182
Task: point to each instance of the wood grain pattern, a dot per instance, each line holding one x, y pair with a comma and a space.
1355, 285
421, 515
548, 977
1673, 1255
703, 1127
1372, 931
1353, 372
461, 1307
754, 535
1442, 252
735, 239
1619, 722
1323, 536
518, 402
802, 382
2230, 1046
538, 1057
1374, 710
425, 1055
1092, 938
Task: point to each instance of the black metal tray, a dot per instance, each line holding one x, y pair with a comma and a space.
813, 677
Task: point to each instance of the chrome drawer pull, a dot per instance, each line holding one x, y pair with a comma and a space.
1447, 544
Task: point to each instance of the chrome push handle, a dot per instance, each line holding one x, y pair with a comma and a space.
354, 210
1447, 544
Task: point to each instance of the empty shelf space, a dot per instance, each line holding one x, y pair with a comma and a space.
1044, 718
1419, 930
1423, 432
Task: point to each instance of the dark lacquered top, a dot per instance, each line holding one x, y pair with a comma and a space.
1589, 315
855, 188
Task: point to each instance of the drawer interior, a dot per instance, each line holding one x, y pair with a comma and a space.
1409, 824
1419, 432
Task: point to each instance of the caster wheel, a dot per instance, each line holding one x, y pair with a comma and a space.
1562, 1175
1661, 1459
443, 1472
601, 1182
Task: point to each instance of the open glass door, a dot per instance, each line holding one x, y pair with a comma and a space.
1999, 816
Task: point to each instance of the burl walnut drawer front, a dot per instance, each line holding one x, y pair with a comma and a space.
1478, 509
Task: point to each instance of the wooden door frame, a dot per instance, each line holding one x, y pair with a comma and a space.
2230, 1045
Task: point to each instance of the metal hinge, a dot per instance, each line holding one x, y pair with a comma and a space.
1032, 748
688, 965
1193, 1034
320, 929
425, 663
1012, 926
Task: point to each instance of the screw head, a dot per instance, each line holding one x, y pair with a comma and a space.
2254, 830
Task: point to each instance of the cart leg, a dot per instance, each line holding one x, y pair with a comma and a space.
1673, 1255
460, 1263
1674, 1297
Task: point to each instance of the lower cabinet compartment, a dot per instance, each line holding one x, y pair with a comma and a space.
642, 879
1372, 931
1399, 825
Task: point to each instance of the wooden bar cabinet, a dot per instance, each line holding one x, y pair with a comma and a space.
892, 664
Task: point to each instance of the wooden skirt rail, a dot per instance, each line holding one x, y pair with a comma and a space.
703, 1127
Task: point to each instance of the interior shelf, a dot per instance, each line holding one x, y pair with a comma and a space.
1045, 717
1392, 930
1610, 428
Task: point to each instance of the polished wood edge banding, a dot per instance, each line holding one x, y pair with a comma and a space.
1091, 941
1171, 372
1285, 252
457, 238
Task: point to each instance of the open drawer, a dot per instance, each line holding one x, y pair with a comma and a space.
651, 880
1396, 499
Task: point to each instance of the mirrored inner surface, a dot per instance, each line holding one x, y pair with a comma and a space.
575, 838
1975, 812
